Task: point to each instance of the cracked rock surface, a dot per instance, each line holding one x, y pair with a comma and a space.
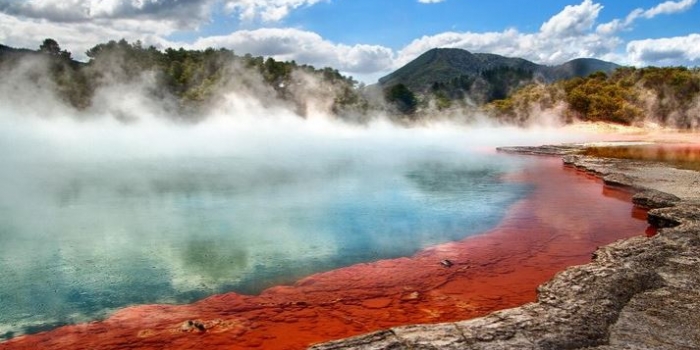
638, 293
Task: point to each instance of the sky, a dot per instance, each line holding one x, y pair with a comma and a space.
368, 39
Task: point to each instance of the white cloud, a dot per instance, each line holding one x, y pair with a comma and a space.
266, 10
669, 7
304, 47
665, 8
186, 13
564, 36
571, 33
79, 37
79, 25
573, 20
567, 35
430, 1
681, 50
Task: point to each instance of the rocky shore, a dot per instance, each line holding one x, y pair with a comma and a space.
637, 293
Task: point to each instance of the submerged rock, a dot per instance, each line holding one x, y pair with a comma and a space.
446, 263
193, 326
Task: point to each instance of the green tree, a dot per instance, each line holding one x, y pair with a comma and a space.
402, 98
51, 47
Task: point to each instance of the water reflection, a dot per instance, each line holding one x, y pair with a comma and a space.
80, 239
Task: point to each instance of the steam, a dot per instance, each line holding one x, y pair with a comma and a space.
125, 121
130, 151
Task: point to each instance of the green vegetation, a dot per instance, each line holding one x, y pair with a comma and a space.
597, 98
500, 82
668, 96
460, 82
402, 98
455, 69
193, 79
451, 81
450, 75
51, 47
526, 103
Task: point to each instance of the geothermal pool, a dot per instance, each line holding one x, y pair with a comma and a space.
80, 238
564, 217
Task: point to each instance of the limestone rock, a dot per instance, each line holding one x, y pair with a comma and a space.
619, 180
548, 150
674, 216
652, 199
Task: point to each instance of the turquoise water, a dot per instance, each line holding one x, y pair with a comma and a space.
80, 238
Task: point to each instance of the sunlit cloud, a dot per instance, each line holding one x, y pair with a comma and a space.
668, 7
665, 8
681, 50
566, 35
305, 47
573, 32
574, 20
266, 10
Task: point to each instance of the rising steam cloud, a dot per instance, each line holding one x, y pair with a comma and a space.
170, 208
126, 120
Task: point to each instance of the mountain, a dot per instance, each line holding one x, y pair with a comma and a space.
457, 71
580, 67
442, 65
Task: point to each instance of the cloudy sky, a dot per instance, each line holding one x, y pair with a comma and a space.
368, 38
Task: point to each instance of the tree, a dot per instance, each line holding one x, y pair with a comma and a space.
402, 98
51, 47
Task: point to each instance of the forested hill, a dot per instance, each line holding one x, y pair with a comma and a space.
455, 73
442, 66
442, 83
668, 96
187, 82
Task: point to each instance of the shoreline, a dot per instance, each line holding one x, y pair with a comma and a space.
365, 297
636, 293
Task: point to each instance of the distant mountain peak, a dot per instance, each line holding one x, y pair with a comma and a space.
442, 65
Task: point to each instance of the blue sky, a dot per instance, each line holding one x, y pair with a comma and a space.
369, 38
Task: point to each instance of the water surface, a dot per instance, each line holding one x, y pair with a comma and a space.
80, 238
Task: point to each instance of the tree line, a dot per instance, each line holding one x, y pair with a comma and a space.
194, 79
668, 96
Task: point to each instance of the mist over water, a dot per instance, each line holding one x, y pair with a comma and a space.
99, 212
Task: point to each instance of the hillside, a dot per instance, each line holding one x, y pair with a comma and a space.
580, 67
185, 82
668, 96
443, 65
451, 74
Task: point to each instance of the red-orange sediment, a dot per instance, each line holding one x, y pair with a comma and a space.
560, 224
